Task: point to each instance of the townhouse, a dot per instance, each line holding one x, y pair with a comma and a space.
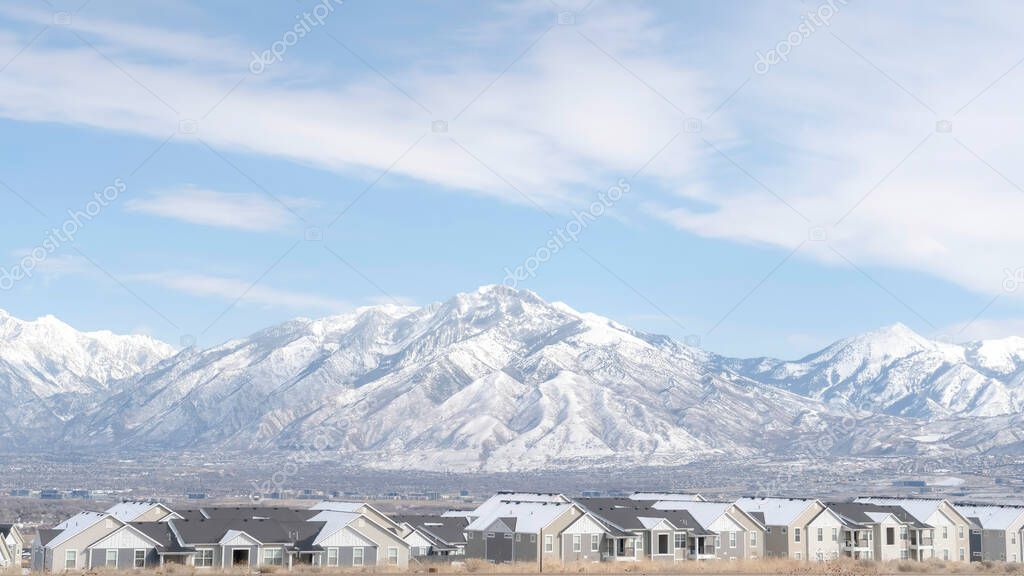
949, 534
881, 532
786, 520
12, 543
738, 535
635, 530
997, 532
434, 536
520, 531
140, 535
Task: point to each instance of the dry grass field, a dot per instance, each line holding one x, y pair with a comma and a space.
764, 568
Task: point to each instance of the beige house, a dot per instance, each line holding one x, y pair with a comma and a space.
786, 524
949, 537
827, 536
66, 546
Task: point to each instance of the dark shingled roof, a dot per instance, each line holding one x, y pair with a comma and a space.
5, 529
161, 532
443, 531
267, 531
625, 514
250, 512
857, 512
45, 535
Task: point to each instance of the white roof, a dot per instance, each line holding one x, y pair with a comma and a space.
919, 508
457, 514
993, 517
679, 496
335, 521
530, 516
705, 513
76, 525
777, 511
879, 517
499, 499
338, 506
129, 511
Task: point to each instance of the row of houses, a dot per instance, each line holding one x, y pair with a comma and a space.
548, 529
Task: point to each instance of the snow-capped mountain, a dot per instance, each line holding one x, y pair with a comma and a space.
47, 368
496, 379
499, 379
897, 371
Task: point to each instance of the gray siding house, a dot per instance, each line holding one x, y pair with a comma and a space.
996, 532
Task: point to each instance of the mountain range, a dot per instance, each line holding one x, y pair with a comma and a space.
499, 379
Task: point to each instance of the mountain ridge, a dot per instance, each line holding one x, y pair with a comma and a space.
500, 379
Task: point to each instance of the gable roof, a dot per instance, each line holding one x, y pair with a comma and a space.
76, 525
776, 511
446, 530
991, 517
163, 533
866, 513
487, 507
626, 514
706, 513
130, 510
920, 508
526, 517
156, 543
356, 507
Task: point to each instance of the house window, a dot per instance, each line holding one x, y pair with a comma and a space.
273, 557
1013, 538
904, 555
960, 532
821, 534
549, 543
203, 558
332, 556
945, 554
519, 537
819, 556
680, 540
111, 560
393, 555
945, 532
890, 536
799, 556
796, 534
732, 539
508, 535
718, 542
533, 538
639, 544
595, 542
769, 529
835, 534
785, 529
71, 559
489, 535
469, 535
961, 554
576, 545
357, 556
753, 538
903, 532
140, 558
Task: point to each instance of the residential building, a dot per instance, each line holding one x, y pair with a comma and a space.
434, 536
997, 532
881, 532
12, 543
635, 530
786, 525
739, 535
950, 537
515, 531
141, 511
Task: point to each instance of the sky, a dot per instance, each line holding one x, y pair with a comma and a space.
757, 178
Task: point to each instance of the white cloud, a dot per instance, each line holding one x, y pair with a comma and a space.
244, 291
243, 211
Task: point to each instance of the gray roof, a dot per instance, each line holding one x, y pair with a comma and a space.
626, 514
161, 532
445, 530
267, 531
5, 529
865, 514
250, 512
46, 535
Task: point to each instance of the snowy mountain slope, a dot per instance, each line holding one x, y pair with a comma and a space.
49, 371
499, 379
494, 379
897, 371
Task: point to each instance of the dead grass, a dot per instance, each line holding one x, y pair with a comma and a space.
773, 567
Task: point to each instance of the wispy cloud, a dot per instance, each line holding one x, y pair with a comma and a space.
242, 211
232, 289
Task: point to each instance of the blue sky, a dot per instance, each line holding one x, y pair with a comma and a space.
763, 177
